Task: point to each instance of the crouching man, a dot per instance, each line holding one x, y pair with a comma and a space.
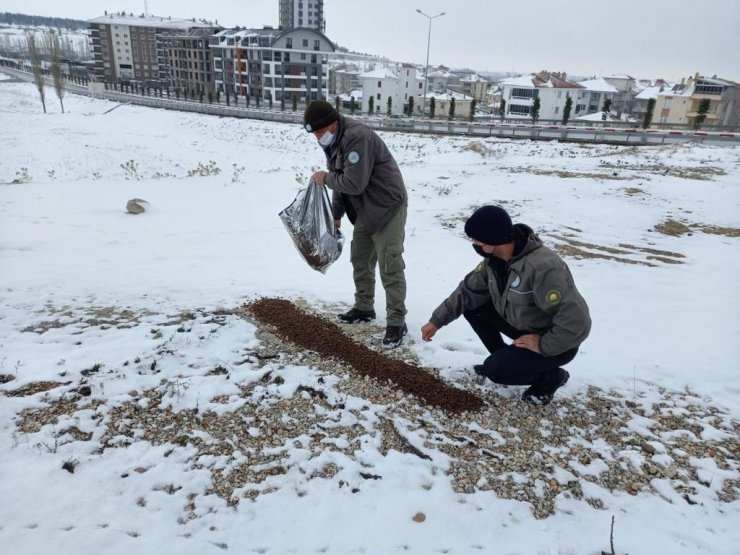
522, 290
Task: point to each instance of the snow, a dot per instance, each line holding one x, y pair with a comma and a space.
69, 253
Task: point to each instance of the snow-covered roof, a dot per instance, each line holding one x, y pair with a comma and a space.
380, 73
598, 85
651, 92
447, 95
475, 78
150, 21
540, 81
597, 116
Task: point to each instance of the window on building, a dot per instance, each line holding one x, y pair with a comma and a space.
380, 83
667, 103
378, 96
289, 43
305, 43
316, 44
523, 93
518, 109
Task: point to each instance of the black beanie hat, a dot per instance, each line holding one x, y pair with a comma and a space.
490, 225
318, 115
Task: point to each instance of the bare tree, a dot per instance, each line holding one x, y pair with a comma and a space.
56, 71
38, 72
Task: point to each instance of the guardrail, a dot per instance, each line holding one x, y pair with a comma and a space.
580, 132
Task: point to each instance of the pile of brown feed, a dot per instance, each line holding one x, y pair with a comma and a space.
317, 334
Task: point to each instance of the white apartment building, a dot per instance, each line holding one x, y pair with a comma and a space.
272, 64
302, 13
552, 90
399, 84
598, 90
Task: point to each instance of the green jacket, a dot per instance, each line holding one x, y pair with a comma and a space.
364, 178
539, 296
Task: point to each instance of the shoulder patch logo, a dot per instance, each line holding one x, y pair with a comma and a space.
479, 267
353, 157
517, 281
553, 297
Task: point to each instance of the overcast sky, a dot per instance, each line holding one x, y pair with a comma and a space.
644, 38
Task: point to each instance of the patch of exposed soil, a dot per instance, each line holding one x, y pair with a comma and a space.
676, 229
326, 338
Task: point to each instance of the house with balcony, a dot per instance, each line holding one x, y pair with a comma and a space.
187, 57
552, 89
272, 64
627, 90
679, 105
597, 91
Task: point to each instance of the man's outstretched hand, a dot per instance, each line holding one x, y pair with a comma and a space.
428, 330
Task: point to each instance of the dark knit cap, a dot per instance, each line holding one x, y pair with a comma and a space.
490, 225
318, 115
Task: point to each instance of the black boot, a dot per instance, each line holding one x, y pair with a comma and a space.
394, 336
543, 394
355, 315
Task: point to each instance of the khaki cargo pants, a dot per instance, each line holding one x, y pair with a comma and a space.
384, 248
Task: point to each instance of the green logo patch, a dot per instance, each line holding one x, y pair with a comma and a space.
553, 297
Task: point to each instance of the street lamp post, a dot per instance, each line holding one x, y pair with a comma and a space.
426, 69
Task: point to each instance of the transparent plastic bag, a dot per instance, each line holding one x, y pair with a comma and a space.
310, 223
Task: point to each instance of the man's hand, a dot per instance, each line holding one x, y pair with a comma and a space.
428, 330
530, 341
319, 177
338, 223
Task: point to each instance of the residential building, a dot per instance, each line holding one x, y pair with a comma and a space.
272, 64
598, 91
640, 104
442, 79
680, 104
302, 13
398, 83
627, 90
129, 48
475, 86
551, 88
188, 60
343, 78
443, 103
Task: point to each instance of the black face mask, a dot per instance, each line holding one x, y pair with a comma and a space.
480, 251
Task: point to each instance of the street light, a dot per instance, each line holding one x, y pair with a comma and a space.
426, 70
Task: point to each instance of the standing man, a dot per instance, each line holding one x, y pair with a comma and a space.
366, 185
524, 291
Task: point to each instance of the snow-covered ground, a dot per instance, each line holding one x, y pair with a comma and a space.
141, 309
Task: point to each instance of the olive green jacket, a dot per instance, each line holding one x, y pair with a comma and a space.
364, 178
539, 296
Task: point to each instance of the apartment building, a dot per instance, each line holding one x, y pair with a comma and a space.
128, 48
272, 64
344, 78
397, 83
188, 64
302, 13
551, 88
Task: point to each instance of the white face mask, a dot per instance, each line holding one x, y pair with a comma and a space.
326, 139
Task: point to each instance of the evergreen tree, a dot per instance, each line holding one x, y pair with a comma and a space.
248, 99
371, 105
269, 100
606, 108
257, 101
177, 94
218, 96
648, 119
432, 107
390, 106
282, 103
295, 103
411, 106
472, 109
567, 109
535, 113
701, 112
352, 105
451, 115
337, 104
502, 109
228, 99
236, 100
